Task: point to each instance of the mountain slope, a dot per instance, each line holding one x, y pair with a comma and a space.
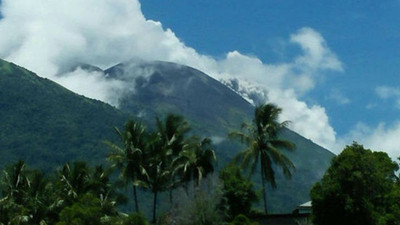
215, 110
45, 124
163, 87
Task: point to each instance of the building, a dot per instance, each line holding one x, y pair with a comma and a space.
300, 216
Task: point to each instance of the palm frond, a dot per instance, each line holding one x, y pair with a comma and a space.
241, 137
283, 144
282, 161
267, 169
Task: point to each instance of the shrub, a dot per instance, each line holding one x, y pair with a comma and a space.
242, 220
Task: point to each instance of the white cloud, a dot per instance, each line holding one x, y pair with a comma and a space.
93, 85
386, 92
382, 138
338, 97
311, 122
317, 54
49, 36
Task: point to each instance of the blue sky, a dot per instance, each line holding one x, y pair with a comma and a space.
333, 66
365, 35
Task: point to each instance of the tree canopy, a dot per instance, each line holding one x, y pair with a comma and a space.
360, 187
264, 146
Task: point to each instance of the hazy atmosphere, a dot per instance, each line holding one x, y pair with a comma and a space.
332, 66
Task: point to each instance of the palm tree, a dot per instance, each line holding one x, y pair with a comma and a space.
106, 191
162, 147
73, 181
264, 145
173, 135
157, 167
27, 195
15, 182
195, 161
129, 157
41, 197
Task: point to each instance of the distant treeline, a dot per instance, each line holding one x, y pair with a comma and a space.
167, 160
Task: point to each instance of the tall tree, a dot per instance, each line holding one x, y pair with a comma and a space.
27, 196
15, 185
264, 146
196, 161
173, 133
15, 182
128, 157
238, 191
73, 181
157, 167
162, 147
41, 199
358, 188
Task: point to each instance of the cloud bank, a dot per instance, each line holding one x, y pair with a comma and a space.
48, 37
382, 138
386, 92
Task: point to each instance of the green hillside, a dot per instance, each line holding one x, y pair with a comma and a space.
215, 110
45, 124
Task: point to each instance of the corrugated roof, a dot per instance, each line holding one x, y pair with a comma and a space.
307, 204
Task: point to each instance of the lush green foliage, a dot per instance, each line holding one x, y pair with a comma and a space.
161, 160
46, 125
76, 194
87, 210
242, 220
264, 146
360, 187
129, 158
135, 219
238, 191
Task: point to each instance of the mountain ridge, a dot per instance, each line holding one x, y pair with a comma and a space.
51, 125
41, 116
229, 110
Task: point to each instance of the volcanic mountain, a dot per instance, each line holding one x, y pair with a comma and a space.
214, 110
163, 87
46, 124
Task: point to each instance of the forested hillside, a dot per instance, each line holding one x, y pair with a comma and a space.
45, 124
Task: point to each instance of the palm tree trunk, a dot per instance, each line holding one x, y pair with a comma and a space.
135, 197
154, 207
170, 196
263, 191
186, 187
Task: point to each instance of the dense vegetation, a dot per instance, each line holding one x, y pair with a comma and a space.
360, 188
51, 125
47, 125
158, 161
264, 146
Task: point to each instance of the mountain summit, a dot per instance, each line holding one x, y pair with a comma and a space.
163, 87
47, 125
214, 110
